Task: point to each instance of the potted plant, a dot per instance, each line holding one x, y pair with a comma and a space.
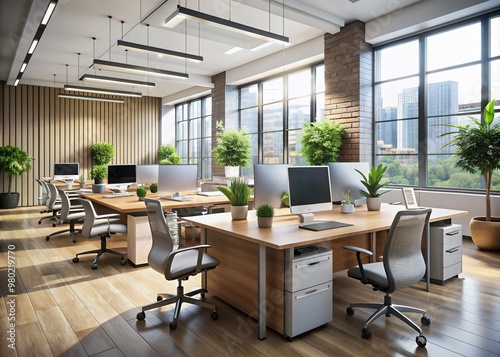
346, 206
98, 174
232, 149
102, 153
373, 186
167, 155
13, 162
141, 192
265, 214
321, 142
478, 150
238, 193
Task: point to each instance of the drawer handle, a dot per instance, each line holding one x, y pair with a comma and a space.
311, 293
453, 250
453, 233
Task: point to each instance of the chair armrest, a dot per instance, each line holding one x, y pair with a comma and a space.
358, 251
199, 248
108, 215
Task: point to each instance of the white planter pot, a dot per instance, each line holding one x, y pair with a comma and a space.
373, 203
265, 222
239, 212
232, 171
347, 208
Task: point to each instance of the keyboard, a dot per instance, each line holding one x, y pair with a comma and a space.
210, 193
305, 249
323, 225
179, 199
116, 195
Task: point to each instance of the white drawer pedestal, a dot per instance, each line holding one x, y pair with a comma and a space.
446, 251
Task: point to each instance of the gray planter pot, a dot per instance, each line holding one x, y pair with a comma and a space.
239, 212
99, 188
9, 200
265, 222
373, 203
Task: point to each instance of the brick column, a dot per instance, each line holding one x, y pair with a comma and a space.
225, 109
348, 91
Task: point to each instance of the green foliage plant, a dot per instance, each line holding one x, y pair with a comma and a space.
141, 191
238, 192
373, 182
347, 198
232, 147
167, 155
14, 162
102, 153
321, 142
478, 148
99, 172
265, 210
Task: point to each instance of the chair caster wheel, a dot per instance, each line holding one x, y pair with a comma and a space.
39, 222
94, 266
425, 321
74, 240
214, 315
141, 316
173, 325
123, 262
159, 298
47, 238
349, 311
76, 260
366, 333
54, 224
421, 341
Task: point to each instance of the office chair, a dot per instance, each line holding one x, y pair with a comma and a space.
70, 213
51, 201
403, 265
175, 264
102, 226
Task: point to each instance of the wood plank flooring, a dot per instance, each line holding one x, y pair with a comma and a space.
67, 309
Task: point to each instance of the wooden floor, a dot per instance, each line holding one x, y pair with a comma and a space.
64, 309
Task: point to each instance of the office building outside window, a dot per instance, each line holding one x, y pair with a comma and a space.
439, 83
194, 134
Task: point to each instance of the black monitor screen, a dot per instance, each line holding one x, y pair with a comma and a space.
309, 189
68, 170
122, 174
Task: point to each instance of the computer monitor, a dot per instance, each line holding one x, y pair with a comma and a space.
270, 183
309, 190
66, 171
344, 178
121, 176
177, 178
147, 174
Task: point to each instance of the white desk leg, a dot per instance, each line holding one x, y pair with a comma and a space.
261, 303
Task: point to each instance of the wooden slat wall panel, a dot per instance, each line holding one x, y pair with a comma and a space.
62, 130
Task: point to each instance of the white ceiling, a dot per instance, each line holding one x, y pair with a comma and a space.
75, 22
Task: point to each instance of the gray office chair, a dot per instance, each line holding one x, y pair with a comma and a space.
51, 201
103, 226
175, 264
403, 265
70, 213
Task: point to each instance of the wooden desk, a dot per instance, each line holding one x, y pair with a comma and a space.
252, 278
133, 214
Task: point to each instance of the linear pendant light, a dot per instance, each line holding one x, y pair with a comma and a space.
102, 91
183, 13
88, 97
95, 78
129, 68
149, 49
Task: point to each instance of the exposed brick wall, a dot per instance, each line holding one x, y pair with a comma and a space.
348, 89
225, 109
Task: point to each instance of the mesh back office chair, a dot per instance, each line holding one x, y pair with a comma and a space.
403, 265
175, 264
51, 201
70, 213
102, 226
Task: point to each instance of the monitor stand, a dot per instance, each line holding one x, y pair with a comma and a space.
306, 217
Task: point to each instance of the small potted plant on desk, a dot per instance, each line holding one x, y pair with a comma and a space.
346, 206
373, 186
98, 174
265, 214
238, 193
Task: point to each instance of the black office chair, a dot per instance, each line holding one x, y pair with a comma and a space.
70, 213
175, 264
104, 226
403, 265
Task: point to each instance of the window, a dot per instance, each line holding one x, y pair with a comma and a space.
275, 110
440, 83
194, 134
